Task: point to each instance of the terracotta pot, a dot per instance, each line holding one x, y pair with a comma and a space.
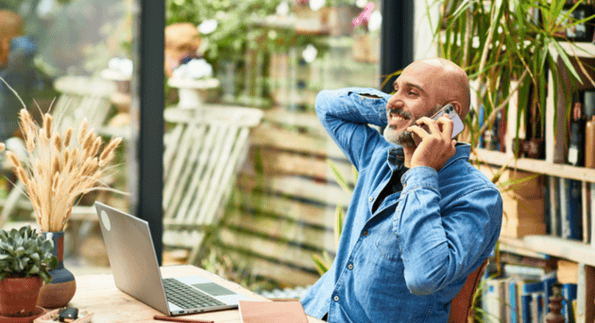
61, 289
18, 296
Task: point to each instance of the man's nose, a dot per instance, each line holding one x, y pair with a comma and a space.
395, 101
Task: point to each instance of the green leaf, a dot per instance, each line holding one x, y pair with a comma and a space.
53, 262
47, 245
33, 271
45, 276
512, 184
338, 223
566, 60
35, 256
339, 177
321, 265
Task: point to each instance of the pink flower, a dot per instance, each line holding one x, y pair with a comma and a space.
363, 16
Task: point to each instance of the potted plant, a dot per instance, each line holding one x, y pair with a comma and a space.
500, 41
25, 260
58, 169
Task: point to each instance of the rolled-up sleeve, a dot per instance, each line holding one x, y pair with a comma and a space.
345, 115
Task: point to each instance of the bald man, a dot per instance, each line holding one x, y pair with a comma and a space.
421, 218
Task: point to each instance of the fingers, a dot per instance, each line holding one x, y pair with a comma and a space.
443, 127
447, 126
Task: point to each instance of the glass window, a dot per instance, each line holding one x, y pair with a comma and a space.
275, 56
72, 59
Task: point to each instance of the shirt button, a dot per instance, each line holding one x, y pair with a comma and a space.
350, 266
336, 298
371, 199
365, 233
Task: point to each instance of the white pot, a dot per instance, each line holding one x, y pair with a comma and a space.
192, 93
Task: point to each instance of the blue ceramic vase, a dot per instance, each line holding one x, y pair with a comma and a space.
59, 291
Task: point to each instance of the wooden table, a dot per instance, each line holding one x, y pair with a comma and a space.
99, 294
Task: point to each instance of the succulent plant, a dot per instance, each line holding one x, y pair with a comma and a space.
25, 253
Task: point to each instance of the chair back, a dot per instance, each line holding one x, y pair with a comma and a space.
203, 151
83, 97
461, 305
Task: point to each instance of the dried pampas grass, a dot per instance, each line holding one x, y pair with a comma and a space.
59, 170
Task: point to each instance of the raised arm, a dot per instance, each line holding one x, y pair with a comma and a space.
345, 115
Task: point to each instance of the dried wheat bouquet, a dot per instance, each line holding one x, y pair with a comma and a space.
58, 169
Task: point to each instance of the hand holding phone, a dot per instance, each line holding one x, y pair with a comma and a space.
449, 109
436, 152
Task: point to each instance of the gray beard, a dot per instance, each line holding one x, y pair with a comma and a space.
402, 138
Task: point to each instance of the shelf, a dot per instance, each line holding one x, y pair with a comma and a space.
516, 246
536, 166
580, 49
542, 246
562, 248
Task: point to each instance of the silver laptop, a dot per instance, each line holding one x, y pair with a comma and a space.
136, 272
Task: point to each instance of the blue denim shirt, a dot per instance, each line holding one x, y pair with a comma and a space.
407, 260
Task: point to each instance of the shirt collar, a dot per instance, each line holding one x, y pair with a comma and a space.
396, 156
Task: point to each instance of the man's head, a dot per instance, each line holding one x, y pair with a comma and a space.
422, 89
11, 25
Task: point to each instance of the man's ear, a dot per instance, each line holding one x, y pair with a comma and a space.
458, 107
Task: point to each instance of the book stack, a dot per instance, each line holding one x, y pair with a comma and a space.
567, 275
571, 221
519, 296
523, 203
522, 292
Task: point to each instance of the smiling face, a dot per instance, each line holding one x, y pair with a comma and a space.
421, 90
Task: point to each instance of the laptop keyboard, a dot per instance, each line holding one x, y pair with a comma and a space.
187, 297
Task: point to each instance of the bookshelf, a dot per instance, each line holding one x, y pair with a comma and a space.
497, 158
549, 247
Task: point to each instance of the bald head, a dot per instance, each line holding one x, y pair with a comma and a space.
448, 82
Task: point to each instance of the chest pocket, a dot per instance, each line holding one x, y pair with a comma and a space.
387, 243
